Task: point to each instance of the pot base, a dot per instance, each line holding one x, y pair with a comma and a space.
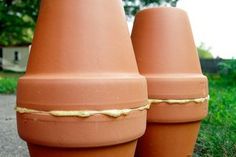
168, 140
124, 150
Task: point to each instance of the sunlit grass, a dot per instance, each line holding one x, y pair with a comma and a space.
217, 137
8, 82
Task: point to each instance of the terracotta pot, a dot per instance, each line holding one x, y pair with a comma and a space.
81, 59
167, 57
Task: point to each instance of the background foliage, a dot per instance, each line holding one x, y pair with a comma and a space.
228, 72
204, 52
17, 21
217, 137
18, 18
133, 6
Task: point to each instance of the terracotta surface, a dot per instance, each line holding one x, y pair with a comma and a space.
81, 59
122, 150
176, 113
168, 140
75, 132
167, 57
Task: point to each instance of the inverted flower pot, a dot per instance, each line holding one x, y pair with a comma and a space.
82, 94
167, 57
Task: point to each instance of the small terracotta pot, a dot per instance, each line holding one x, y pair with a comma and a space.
167, 57
81, 59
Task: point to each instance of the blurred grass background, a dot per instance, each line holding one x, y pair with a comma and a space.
217, 137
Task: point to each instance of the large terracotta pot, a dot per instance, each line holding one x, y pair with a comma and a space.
167, 57
81, 60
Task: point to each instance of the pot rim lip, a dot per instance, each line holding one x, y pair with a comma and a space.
165, 8
134, 118
28, 92
82, 76
95, 147
174, 75
177, 86
201, 113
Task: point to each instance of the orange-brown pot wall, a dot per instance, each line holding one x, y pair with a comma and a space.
122, 150
168, 139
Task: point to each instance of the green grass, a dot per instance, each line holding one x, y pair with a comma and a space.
8, 85
9, 74
8, 82
217, 137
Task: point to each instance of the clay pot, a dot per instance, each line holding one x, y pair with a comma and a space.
167, 57
81, 59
